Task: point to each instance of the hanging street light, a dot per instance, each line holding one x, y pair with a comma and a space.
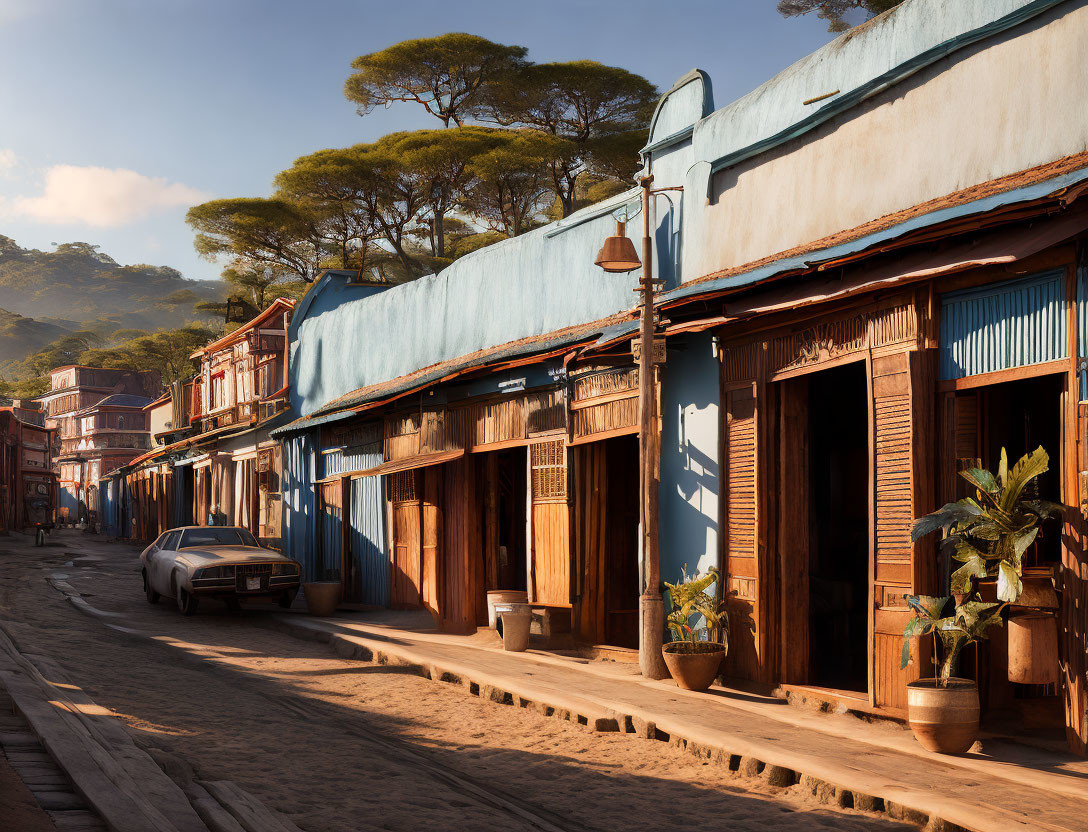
618, 255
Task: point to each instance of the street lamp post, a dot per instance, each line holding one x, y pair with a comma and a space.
618, 255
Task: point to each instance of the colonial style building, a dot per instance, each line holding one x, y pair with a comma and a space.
28, 485
212, 460
101, 425
873, 275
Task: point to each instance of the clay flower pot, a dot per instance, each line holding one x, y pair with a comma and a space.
515, 621
322, 597
694, 666
943, 718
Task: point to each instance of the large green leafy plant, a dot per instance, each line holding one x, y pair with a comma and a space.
989, 534
967, 623
991, 531
691, 602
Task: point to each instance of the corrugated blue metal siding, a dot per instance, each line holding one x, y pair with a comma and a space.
182, 510
330, 531
298, 501
1082, 327
1004, 325
367, 533
368, 539
107, 507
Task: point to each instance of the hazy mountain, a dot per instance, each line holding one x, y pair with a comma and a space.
79, 287
21, 336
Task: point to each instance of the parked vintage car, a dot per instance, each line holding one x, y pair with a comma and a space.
223, 562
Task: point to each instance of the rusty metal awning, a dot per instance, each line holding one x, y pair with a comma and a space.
398, 465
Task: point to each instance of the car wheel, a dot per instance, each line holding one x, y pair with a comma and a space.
187, 602
151, 595
233, 604
287, 599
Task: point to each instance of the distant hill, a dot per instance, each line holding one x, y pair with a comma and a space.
20, 336
79, 287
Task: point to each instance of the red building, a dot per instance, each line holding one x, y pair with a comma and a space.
28, 485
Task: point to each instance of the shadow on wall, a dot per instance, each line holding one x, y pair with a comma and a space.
689, 464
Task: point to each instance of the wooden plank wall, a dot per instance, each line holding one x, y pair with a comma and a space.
794, 521
604, 402
462, 562
432, 539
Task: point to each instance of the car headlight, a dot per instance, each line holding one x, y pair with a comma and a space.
285, 569
216, 572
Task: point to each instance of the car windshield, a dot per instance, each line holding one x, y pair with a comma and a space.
213, 536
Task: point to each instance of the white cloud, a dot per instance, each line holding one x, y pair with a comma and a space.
7, 161
102, 197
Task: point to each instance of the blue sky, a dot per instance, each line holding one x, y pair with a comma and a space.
115, 115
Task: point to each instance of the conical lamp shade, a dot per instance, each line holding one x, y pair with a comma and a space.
618, 253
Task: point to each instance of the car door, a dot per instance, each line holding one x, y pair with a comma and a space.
160, 562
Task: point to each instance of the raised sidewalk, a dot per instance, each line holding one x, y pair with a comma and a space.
839, 757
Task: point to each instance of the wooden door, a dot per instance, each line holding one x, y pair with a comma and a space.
461, 566
740, 563
794, 517
903, 388
330, 514
549, 521
407, 552
432, 538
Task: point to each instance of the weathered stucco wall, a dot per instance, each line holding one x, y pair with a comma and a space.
988, 110
689, 457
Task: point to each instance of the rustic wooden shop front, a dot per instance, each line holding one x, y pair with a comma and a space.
841, 426
825, 462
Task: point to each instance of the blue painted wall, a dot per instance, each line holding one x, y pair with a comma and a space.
297, 482
689, 457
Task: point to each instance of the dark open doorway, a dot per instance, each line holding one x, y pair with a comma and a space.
1018, 416
511, 485
838, 473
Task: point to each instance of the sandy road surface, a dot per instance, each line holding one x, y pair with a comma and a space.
343, 745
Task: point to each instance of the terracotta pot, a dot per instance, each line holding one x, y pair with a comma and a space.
1038, 593
322, 597
693, 668
502, 596
943, 719
516, 620
1033, 649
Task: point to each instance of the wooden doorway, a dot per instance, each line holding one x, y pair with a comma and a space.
1018, 415
405, 589
503, 476
606, 541
823, 519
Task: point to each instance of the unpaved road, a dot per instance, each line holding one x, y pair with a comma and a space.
342, 745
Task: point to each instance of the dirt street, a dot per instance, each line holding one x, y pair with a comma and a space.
343, 745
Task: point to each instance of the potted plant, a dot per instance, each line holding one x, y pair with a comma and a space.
943, 710
700, 624
989, 535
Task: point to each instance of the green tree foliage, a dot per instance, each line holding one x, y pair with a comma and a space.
595, 109
835, 11
168, 352
444, 161
261, 284
65, 350
276, 232
445, 74
510, 184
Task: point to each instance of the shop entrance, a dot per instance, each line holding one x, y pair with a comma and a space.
606, 540
1019, 416
504, 511
824, 528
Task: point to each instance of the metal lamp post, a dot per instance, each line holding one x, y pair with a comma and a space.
618, 255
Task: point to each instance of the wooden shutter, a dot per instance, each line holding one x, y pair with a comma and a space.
741, 566
407, 552
550, 520
893, 509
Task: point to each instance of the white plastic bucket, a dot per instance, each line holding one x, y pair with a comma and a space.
503, 596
